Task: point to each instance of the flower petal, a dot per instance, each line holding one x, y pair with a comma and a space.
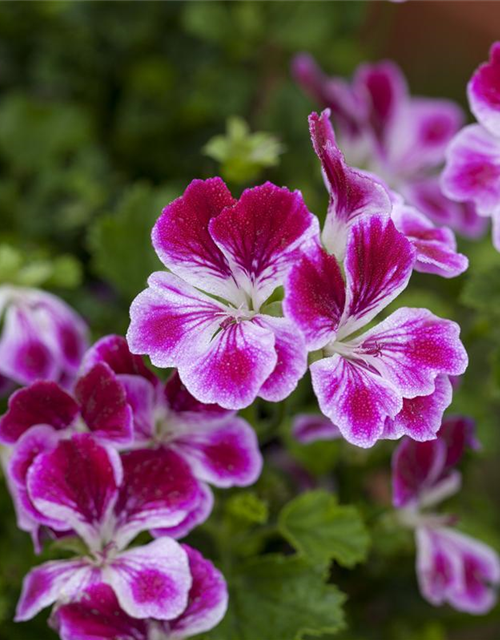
40, 403
315, 297
96, 614
141, 398
411, 348
171, 319
378, 264
233, 369
50, 582
356, 399
458, 432
227, 455
104, 405
352, 194
195, 517
308, 428
483, 92
262, 235
158, 490
77, 484
292, 358
152, 581
420, 418
472, 170
186, 408
182, 240
207, 602
435, 247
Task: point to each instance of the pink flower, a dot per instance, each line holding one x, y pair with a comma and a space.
401, 138
354, 194
472, 171
207, 316
370, 385
41, 338
219, 447
107, 501
451, 567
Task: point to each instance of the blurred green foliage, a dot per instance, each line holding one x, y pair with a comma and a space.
107, 112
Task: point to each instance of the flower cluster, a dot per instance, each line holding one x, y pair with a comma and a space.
120, 455
41, 338
472, 172
451, 566
400, 138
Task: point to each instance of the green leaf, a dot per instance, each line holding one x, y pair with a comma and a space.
321, 530
481, 291
279, 598
120, 242
247, 506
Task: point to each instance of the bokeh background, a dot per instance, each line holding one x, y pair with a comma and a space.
108, 110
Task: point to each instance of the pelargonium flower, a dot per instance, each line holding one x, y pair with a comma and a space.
107, 500
451, 566
354, 194
400, 138
96, 613
207, 316
41, 337
472, 171
373, 385
219, 447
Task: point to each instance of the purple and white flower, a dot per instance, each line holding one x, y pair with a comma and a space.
42, 338
451, 567
207, 316
472, 172
107, 500
400, 138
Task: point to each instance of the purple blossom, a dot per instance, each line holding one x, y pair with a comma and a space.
41, 337
472, 172
207, 315
451, 567
400, 138
107, 500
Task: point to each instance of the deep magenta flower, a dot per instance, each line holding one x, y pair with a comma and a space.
41, 337
96, 613
451, 566
371, 385
220, 448
208, 316
354, 194
400, 138
472, 171
107, 500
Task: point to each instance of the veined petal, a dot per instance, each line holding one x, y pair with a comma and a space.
262, 236
420, 418
171, 319
140, 395
50, 582
40, 403
291, 365
352, 194
77, 484
483, 92
436, 247
152, 581
411, 348
227, 455
379, 261
183, 242
207, 601
186, 408
355, 398
472, 169
96, 614
195, 517
158, 490
233, 369
104, 405
315, 297
308, 427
